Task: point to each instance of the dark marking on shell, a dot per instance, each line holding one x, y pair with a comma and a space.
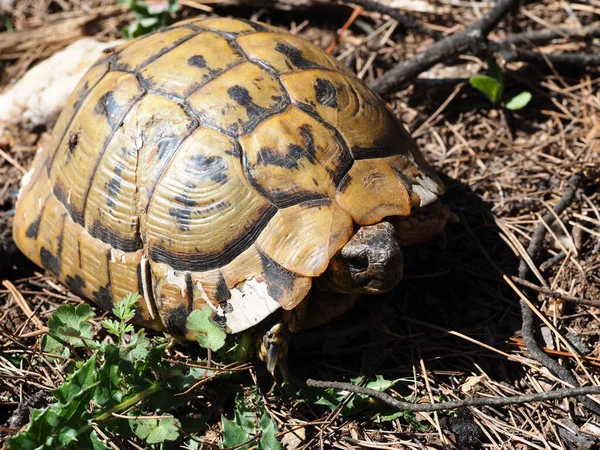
200, 62
166, 146
72, 144
103, 297
344, 183
108, 107
33, 228
213, 167
222, 293
345, 157
226, 307
220, 320
308, 149
113, 187
326, 93
376, 151
75, 283
200, 262
278, 279
197, 61
287, 160
295, 56
50, 261
257, 26
115, 239
189, 290
182, 215
177, 321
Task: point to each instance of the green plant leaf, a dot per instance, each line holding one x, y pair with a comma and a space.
519, 101
156, 431
70, 324
488, 86
268, 441
97, 444
207, 332
82, 379
234, 435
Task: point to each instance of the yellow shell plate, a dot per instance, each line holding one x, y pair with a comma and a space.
216, 162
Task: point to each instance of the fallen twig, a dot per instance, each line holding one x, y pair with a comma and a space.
527, 314
554, 294
452, 45
556, 394
563, 59
549, 34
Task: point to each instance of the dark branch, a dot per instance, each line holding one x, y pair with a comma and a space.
564, 60
549, 34
528, 330
452, 45
554, 294
556, 394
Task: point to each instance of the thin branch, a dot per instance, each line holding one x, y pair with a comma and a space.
449, 46
402, 18
527, 329
554, 294
556, 394
549, 34
567, 60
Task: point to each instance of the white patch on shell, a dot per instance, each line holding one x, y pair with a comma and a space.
249, 304
427, 189
176, 279
146, 286
200, 292
26, 179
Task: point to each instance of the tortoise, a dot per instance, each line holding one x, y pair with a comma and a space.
226, 163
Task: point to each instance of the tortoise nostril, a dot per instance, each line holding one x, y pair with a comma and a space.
358, 263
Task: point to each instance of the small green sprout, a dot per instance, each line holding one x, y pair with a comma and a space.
491, 86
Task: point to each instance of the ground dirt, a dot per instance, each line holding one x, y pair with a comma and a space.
451, 330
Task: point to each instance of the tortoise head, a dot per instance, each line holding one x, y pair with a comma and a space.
371, 261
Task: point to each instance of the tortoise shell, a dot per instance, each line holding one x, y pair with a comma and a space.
215, 162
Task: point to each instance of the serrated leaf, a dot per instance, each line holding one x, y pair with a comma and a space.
488, 86
70, 324
112, 326
156, 431
519, 101
207, 332
234, 435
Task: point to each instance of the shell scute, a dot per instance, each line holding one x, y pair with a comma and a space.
291, 158
199, 199
198, 60
239, 99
